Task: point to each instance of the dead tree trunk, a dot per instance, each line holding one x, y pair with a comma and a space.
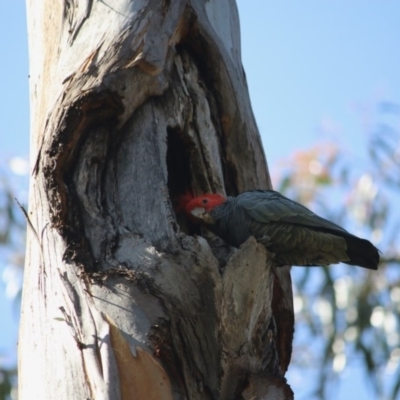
134, 103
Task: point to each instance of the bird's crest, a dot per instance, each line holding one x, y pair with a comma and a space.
206, 201
184, 200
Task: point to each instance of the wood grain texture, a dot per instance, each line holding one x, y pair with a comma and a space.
133, 103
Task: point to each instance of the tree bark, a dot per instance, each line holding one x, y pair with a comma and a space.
133, 104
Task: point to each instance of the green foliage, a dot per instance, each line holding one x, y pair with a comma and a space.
8, 378
12, 248
345, 315
351, 315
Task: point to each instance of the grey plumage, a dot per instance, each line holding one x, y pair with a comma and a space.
295, 234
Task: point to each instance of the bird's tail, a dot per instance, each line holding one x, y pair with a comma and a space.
361, 252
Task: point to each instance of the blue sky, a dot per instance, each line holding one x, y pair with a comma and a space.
314, 63
314, 69
14, 99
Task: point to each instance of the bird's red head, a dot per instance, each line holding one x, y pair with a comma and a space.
197, 207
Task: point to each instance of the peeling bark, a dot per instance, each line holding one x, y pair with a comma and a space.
133, 104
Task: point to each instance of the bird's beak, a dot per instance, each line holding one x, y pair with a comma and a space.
201, 213
198, 212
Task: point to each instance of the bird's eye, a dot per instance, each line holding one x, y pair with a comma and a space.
205, 201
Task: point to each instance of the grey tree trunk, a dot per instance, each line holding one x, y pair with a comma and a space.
133, 104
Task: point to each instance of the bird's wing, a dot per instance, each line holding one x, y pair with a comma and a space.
266, 206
